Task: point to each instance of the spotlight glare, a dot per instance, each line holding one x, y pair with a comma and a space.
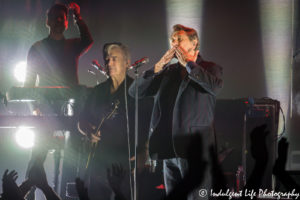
20, 71
25, 137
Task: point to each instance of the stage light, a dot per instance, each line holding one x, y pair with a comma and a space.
25, 137
187, 14
277, 33
20, 71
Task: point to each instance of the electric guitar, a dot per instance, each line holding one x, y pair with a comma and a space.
107, 116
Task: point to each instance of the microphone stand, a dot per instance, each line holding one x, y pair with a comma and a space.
136, 120
136, 130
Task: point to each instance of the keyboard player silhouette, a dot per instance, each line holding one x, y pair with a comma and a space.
53, 62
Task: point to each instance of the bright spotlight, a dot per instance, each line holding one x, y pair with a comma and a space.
25, 137
20, 71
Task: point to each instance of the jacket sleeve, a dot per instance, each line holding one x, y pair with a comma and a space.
148, 84
209, 79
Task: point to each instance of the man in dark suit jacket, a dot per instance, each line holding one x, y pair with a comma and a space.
184, 101
107, 105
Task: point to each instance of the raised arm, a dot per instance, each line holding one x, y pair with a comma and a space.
37, 176
206, 74
86, 39
149, 83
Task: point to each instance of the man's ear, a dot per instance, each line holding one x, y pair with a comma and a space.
47, 22
195, 42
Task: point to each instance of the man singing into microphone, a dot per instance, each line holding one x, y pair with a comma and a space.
184, 101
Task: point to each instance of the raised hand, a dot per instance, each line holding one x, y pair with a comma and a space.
280, 162
115, 177
37, 175
164, 60
76, 10
10, 189
258, 144
75, 7
81, 189
184, 57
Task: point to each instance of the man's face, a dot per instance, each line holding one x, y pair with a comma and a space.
181, 39
57, 21
116, 62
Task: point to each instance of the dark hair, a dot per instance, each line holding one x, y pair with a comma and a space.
55, 7
191, 33
109, 46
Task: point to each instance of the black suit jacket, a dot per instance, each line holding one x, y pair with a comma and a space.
193, 110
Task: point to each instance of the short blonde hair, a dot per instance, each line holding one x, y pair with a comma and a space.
108, 46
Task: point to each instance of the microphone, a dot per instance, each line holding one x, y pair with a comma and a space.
139, 63
91, 72
97, 66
